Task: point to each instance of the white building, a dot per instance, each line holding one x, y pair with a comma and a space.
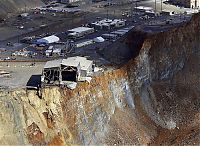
55, 50
48, 40
109, 24
62, 71
143, 9
86, 66
80, 32
191, 11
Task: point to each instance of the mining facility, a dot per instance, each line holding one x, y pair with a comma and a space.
100, 72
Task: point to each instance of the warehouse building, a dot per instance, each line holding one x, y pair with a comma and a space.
109, 36
79, 32
55, 50
48, 40
107, 24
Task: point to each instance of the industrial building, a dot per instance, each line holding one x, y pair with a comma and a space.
55, 50
107, 24
188, 3
109, 36
48, 40
143, 9
79, 32
149, 11
83, 43
64, 71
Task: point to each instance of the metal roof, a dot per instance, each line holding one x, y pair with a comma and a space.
49, 39
128, 28
71, 61
144, 8
123, 30
75, 61
108, 22
80, 29
48, 51
109, 35
53, 64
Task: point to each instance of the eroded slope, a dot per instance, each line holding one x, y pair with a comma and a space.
153, 99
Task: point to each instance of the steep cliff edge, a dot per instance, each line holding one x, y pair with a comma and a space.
153, 99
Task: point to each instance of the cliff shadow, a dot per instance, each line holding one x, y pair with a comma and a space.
124, 48
34, 81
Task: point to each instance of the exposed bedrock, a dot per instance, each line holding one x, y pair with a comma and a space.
153, 99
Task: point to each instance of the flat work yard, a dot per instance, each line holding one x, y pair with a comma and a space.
20, 72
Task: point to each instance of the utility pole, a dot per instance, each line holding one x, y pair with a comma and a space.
25, 8
161, 5
155, 5
107, 14
136, 5
135, 9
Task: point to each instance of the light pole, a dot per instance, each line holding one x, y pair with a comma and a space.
136, 5
25, 8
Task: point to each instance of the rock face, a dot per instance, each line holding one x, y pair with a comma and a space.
153, 99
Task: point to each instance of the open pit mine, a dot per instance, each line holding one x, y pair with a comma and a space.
151, 99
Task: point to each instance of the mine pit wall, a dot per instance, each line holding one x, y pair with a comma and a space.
101, 112
168, 80
124, 48
132, 105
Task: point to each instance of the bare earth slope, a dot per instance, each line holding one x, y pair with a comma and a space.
11, 6
154, 99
